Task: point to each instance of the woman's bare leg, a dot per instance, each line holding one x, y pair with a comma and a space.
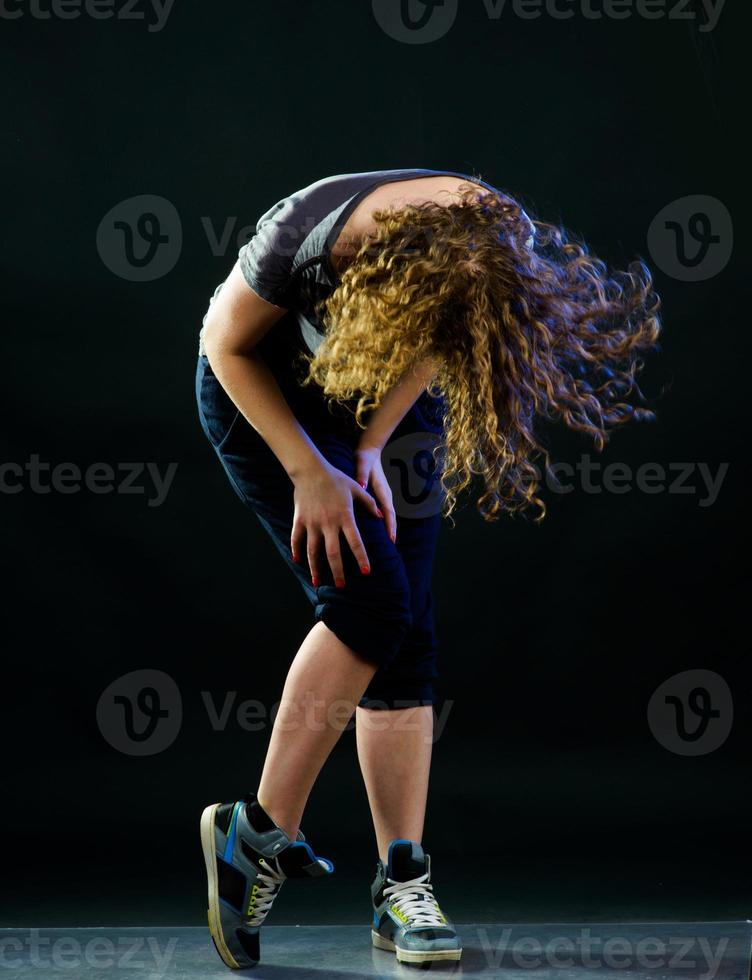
394, 750
324, 684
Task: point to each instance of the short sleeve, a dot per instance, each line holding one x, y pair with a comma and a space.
266, 261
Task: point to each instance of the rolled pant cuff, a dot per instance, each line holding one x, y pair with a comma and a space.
373, 637
418, 694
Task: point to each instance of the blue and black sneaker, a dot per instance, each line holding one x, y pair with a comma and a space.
407, 919
248, 857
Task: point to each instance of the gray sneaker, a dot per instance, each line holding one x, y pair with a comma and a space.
248, 857
407, 919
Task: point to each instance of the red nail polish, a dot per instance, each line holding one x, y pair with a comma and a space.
315, 582
362, 484
379, 512
340, 583
294, 558
365, 569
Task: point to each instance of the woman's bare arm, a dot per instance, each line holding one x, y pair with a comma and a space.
396, 404
237, 320
382, 423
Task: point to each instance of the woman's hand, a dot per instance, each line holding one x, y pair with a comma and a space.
369, 469
323, 508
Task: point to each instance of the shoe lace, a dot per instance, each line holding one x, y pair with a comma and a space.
415, 900
266, 886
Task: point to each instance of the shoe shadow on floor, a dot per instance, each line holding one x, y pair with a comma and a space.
382, 967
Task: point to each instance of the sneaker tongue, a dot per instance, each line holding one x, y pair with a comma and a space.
406, 860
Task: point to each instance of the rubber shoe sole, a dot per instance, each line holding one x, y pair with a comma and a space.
208, 846
414, 955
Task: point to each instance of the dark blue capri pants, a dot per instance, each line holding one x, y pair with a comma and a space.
385, 617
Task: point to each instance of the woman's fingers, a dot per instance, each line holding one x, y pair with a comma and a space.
334, 556
297, 540
365, 498
364, 463
383, 494
352, 534
313, 539
322, 537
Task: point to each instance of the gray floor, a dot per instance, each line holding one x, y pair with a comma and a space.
664, 951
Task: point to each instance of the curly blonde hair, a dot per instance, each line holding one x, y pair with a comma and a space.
518, 330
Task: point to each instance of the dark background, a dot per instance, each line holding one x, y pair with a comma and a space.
551, 799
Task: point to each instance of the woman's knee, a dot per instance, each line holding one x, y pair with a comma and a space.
372, 619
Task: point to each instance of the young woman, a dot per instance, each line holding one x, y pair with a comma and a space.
368, 307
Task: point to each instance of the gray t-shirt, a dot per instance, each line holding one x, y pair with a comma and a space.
288, 259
